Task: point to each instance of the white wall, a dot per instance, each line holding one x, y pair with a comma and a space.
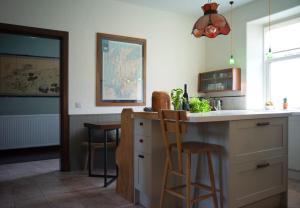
218, 50
174, 56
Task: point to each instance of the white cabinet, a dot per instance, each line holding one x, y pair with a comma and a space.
257, 180
254, 160
149, 156
258, 138
294, 143
141, 172
259, 159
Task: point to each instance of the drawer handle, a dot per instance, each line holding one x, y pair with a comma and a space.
263, 165
141, 123
141, 140
263, 124
141, 156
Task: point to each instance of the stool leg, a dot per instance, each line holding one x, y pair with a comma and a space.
92, 157
188, 180
86, 159
221, 179
212, 180
164, 183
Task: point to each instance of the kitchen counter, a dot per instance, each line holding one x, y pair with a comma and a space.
225, 115
233, 115
249, 138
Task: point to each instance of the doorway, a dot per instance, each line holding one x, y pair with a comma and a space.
62, 37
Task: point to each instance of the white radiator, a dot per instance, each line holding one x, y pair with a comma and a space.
21, 131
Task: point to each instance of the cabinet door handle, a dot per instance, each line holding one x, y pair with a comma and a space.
263, 165
141, 140
141, 123
141, 156
263, 124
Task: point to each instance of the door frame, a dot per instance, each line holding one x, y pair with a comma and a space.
63, 36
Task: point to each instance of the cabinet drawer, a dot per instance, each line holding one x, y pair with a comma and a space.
141, 171
276, 201
257, 180
142, 144
258, 138
142, 127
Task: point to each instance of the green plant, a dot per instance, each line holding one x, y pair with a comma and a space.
177, 98
197, 105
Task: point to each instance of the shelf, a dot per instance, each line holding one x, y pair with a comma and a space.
216, 79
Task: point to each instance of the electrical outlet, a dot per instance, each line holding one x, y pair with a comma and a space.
77, 105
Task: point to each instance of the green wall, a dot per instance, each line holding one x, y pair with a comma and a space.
32, 46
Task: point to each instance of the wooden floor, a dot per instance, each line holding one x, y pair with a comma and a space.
39, 184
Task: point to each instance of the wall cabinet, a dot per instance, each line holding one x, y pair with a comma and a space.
220, 80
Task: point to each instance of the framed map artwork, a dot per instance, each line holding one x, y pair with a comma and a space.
120, 71
29, 76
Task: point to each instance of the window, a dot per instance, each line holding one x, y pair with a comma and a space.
283, 70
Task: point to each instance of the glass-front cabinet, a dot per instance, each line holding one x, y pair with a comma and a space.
220, 80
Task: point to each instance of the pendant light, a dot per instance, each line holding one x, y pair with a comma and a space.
231, 60
211, 24
269, 53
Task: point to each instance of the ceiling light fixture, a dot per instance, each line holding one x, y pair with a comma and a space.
231, 60
211, 24
269, 53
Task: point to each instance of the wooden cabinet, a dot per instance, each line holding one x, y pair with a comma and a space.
220, 80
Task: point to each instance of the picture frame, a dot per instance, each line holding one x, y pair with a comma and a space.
120, 70
29, 76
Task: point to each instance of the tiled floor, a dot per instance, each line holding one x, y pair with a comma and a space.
39, 184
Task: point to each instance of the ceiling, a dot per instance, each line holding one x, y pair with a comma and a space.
188, 7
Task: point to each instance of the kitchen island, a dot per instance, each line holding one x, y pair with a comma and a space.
254, 157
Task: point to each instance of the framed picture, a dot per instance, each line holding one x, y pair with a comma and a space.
29, 76
120, 71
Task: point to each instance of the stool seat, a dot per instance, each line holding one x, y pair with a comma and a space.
198, 147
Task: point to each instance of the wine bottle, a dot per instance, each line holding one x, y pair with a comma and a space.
185, 103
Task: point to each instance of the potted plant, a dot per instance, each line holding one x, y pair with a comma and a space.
197, 105
177, 98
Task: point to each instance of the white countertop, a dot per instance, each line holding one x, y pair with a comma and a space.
231, 115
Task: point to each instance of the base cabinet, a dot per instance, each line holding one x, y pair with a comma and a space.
294, 147
148, 162
254, 161
276, 201
258, 180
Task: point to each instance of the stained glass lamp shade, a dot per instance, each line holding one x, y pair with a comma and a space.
211, 24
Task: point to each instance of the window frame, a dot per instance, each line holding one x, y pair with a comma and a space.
268, 62
267, 85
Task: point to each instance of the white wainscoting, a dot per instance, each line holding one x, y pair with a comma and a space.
22, 131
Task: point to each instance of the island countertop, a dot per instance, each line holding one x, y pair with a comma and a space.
225, 115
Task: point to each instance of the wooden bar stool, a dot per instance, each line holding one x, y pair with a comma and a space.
173, 122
